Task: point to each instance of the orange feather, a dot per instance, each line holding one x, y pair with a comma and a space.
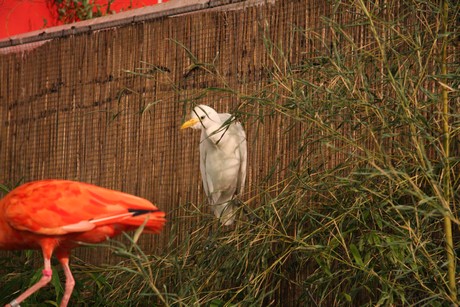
55, 215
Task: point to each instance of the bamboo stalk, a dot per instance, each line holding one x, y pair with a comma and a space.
451, 265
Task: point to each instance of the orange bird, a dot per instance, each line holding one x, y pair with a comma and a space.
56, 215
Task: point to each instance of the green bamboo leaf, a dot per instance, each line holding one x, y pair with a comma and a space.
347, 297
356, 255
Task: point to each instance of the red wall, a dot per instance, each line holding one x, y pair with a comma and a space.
20, 16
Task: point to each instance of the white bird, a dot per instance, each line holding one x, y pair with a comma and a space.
223, 158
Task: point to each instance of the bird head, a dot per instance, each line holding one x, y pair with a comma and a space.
202, 116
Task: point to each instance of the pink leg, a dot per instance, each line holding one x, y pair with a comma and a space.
47, 273
63, 257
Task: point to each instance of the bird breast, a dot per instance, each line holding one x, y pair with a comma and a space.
222, 168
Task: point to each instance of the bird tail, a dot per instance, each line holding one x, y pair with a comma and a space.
225, 213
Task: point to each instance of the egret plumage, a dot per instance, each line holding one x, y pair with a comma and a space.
223, 159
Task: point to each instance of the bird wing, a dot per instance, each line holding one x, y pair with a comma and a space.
203, 143
236, 129
243, 149
55, 207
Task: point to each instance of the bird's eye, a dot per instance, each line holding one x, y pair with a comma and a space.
203, 117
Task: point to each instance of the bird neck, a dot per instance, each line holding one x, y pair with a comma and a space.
216, 132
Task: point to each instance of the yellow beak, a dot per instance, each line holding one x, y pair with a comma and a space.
190, 123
